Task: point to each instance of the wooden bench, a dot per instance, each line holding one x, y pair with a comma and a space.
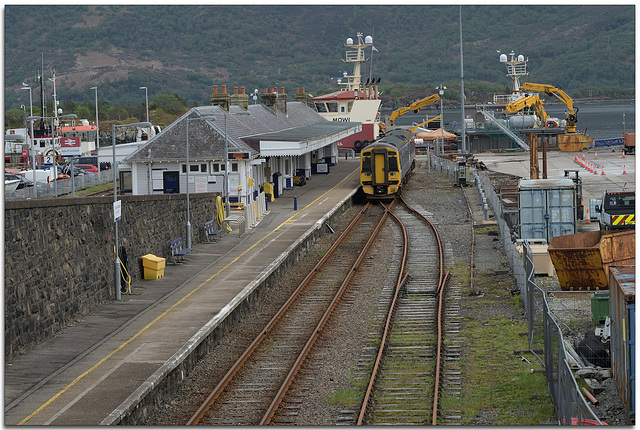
178, 251
211, 232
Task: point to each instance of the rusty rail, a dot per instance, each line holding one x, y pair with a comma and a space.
211, 399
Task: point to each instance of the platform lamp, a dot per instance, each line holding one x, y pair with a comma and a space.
27, 87
116, 205
97, 129
146, 97
188, 169
441, 89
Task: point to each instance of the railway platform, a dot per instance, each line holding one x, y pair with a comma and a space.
100, 370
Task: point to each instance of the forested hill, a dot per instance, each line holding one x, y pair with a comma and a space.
186, 49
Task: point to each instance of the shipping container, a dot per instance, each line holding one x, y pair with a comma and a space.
547, 208
622, 310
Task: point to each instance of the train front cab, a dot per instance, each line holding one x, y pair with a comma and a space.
380, 172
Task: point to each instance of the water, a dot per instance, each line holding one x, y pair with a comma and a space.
602, 120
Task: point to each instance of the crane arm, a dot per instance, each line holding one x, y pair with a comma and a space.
531, 102
415, 107
552, 91
572, 116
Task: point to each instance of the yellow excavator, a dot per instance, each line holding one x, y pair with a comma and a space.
572, 115
528, 104
414, 107
571, 141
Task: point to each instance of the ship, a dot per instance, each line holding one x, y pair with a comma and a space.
355, 101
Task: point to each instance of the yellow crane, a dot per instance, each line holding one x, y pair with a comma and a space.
414, 107
571, 141
530, 104
572, 115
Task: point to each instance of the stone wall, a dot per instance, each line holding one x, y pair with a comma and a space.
59, 255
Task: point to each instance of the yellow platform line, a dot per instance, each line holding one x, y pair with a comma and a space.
135, 336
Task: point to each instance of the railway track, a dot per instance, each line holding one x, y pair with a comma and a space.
253, 388
405, 379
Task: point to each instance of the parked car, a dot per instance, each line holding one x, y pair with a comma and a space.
24, 182
89, 168
66, 170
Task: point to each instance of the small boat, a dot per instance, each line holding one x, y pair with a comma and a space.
356, 102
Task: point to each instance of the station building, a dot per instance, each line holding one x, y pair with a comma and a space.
271, 146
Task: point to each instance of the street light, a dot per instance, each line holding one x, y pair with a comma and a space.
441, 89
188, 169
26, 87
97, 129
146, 97
114, 166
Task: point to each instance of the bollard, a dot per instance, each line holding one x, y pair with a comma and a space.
485, 208
295, 203
266, 203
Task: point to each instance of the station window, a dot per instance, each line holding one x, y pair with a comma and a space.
287, 166
215, 167
203, 168
234, 167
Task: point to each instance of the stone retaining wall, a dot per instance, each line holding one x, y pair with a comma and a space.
59, 255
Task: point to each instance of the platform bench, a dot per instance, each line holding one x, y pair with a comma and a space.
178, 251
211, 232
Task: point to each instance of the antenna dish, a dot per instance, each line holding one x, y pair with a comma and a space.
349, 41
520, 57
503, 58
368, 39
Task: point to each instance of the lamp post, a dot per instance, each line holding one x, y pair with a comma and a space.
116, 206
97, 129
188, 169
146, 97
26, 87
441, 89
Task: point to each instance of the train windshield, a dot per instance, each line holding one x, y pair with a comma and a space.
393, 163
366, 163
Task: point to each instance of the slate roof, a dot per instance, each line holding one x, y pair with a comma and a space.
206, 137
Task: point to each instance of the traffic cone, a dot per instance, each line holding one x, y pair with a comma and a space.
623, 153
596, 155
624, 169
588, 217
602, 170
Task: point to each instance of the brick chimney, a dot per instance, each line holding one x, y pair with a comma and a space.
241, 99
282, 101
300, 96
269, 99
220, 99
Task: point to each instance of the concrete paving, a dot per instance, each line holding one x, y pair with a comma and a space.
593, 185
82, 375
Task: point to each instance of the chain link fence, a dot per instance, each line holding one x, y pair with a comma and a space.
546, 338
61, 187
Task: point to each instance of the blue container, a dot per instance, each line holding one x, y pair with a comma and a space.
622, 310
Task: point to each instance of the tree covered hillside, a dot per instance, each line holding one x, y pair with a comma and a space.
186, 49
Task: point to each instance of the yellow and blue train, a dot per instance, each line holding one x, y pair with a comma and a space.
386, 163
